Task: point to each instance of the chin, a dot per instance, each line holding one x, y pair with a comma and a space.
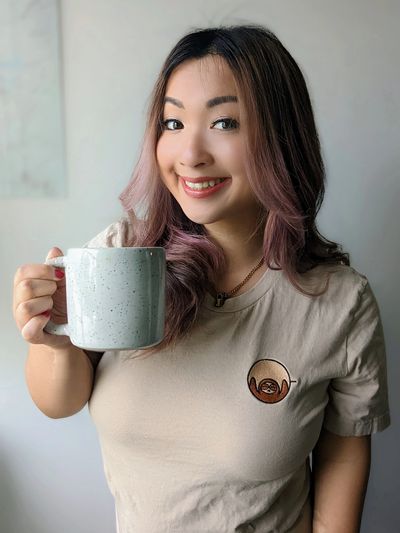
201, 219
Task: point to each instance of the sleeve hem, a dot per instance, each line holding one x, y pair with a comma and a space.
349, 428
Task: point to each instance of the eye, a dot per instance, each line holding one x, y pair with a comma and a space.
233, 124
165, 123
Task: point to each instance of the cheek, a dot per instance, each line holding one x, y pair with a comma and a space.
231, 152
161, 154
165, 163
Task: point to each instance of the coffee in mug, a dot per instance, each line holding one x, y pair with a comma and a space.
115, 297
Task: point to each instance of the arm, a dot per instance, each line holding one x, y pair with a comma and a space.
60, 380
340, 472
58, 374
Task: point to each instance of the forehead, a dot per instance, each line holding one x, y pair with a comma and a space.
209, 74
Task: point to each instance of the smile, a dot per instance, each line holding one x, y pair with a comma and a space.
201, 189
203, 184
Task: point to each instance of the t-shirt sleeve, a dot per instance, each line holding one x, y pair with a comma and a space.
358, 402
116, 235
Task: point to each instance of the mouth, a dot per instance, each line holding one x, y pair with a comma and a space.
204, 186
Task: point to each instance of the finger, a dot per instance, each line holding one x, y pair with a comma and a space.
29, 289
33, 330
59, 272
31, 308
54, 252
37, 271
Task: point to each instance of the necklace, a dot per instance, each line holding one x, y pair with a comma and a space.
222, 296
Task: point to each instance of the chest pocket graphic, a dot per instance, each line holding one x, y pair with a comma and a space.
269, 381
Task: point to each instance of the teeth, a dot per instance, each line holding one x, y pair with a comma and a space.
203, 184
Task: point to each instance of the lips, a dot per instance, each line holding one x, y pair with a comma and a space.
204, 193
203, 178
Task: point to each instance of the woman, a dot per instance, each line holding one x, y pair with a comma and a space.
274, 350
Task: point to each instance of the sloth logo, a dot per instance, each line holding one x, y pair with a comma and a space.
269, 381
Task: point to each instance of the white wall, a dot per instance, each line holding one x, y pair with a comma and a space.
51, 477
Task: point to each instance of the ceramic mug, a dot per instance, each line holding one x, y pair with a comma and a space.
115, 297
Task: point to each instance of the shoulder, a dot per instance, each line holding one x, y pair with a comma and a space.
344, 285
118, 234
339, 276
348, 278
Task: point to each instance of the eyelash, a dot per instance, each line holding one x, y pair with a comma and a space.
231, 120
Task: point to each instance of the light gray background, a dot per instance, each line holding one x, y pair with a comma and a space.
31, 129
51, 477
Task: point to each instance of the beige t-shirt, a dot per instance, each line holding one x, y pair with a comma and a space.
215, 436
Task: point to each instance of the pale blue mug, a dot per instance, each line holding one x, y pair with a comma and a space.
115, 297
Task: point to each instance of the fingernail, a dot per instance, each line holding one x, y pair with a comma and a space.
59, 273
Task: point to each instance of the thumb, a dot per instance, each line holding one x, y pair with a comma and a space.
54, 252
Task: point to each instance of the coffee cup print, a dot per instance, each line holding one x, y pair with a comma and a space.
269, 381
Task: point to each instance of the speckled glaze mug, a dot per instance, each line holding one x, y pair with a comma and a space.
115, 297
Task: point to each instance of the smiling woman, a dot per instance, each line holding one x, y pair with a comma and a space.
271, 336
273, 349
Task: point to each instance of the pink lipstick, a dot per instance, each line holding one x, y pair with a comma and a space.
206, 192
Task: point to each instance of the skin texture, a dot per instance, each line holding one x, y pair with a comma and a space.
341, 467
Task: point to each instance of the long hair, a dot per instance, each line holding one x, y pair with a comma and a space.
284, 168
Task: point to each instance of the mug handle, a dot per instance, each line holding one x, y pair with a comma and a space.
51, 327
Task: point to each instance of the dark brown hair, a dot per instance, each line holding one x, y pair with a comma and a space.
284, 168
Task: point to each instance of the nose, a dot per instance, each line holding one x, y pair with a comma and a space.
194, 151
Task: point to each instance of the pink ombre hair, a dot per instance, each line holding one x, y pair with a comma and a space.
284, 169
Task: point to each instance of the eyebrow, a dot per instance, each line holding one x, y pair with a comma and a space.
209, 104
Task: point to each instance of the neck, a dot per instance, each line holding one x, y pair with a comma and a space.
242, 255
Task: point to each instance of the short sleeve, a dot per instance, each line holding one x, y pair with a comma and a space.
116, 235
358, 402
